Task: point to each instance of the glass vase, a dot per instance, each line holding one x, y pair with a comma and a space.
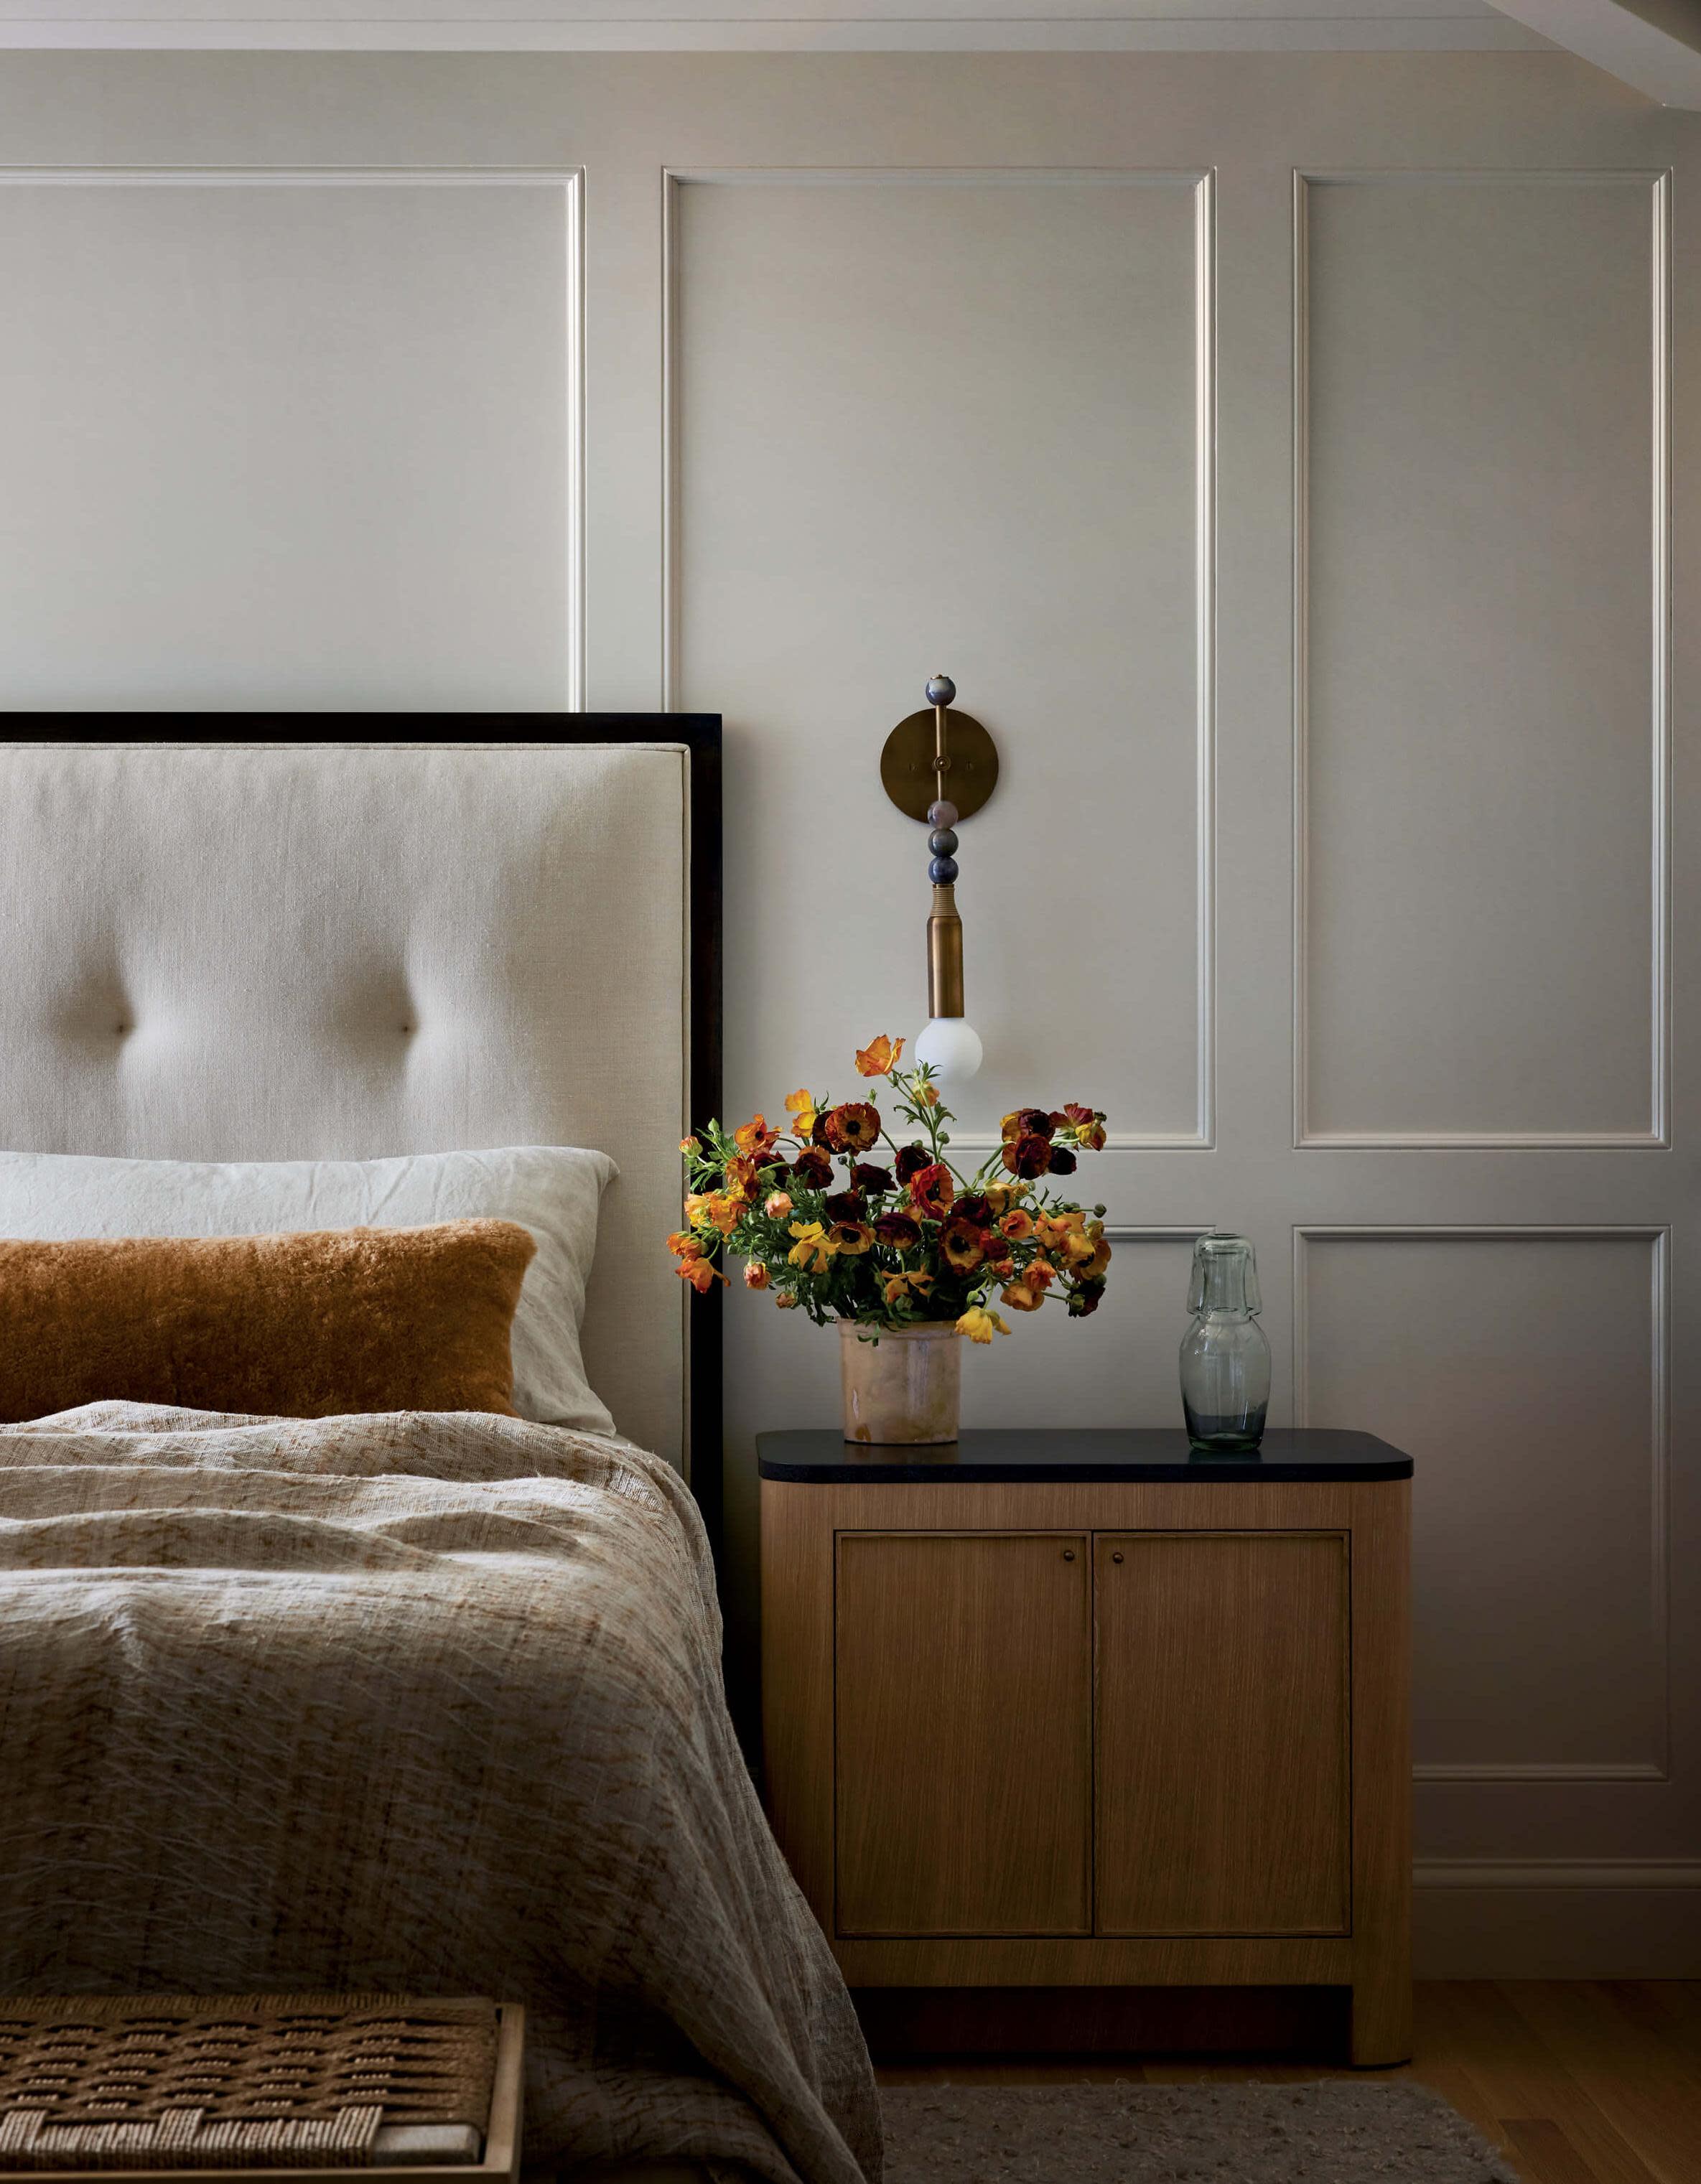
1226, 1355
906, 1386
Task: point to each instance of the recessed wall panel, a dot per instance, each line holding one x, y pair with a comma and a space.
1481, 643
1523, 1371
952, 424
286, 443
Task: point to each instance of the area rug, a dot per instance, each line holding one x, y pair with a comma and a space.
1334, 2132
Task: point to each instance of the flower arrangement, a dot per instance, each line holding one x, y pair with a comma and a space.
842, 1220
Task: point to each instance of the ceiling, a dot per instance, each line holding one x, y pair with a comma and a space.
1654, 44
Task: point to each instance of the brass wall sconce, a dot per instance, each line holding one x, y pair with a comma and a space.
940, 766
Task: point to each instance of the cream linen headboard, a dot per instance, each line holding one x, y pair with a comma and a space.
289, 949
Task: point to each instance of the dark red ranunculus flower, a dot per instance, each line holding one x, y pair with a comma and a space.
813, 1165
901, 1229
1027, 1156
1035, 1121
1083, 1298
912, 1160
1063, 1161
853, 1127
963, 1246
866, 1177
843, 1205
972, 1207
931, 1190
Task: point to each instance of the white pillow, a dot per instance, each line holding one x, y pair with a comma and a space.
553, 1190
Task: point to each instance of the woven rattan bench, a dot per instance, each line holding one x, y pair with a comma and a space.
310, 2087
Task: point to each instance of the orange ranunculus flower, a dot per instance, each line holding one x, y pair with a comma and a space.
932, 1191
1017, 1224
1020, 1297
963, 1246
685, 1244
701, 1275
926, 1095
690, 1145
743, 1178
755, 1138
724, 1211
852, 1238
800, 1106
697, 1209
902, 1284
1088, 1125
1093, 1269
787, 1299
1039, 1273
1052, 1231
756, 1276
879, 1058
852, 1127
776, 1205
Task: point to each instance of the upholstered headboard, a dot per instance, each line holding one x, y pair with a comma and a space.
289, 949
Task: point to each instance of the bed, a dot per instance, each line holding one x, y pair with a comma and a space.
415, 1701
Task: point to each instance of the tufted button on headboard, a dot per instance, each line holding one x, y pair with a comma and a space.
270, 952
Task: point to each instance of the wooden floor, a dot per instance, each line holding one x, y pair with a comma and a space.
1577, 2083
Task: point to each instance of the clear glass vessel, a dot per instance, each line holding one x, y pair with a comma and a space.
1226, 1355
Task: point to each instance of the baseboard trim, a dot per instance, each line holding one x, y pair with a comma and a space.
1557, 1873
1541, 1918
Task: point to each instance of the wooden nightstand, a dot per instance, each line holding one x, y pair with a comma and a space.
1078, 1710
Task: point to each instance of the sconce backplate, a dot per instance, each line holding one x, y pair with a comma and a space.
907, 763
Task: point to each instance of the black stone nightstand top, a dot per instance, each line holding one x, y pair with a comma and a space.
1102, 1454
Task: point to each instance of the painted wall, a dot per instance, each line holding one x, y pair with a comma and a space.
1307, 548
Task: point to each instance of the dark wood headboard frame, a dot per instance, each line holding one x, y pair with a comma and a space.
700, 734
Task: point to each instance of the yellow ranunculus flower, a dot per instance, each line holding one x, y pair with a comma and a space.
811, 1251
981, 1325
800, 1106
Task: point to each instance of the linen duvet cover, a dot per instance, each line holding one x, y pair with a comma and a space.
421, 1702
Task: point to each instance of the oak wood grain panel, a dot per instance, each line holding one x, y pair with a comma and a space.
1078, 1506
962, 1683
1382, 1772
1098, 1960
797, 1684
1222, 1733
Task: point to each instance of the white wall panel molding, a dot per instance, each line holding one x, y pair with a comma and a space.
1656, 1766
1201, 186
567, 183
1309, 1133
764, 25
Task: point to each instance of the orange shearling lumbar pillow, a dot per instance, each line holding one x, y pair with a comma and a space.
309, 1325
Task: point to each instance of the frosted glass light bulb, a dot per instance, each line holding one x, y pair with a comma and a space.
950, 1047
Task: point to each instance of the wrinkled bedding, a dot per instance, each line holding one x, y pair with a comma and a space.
417, 1702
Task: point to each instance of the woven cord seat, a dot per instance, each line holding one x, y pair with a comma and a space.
240, 2081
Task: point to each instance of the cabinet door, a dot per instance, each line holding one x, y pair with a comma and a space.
1223, 1711
962, 1680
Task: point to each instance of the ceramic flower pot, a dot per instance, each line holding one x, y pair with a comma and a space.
905, 1387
